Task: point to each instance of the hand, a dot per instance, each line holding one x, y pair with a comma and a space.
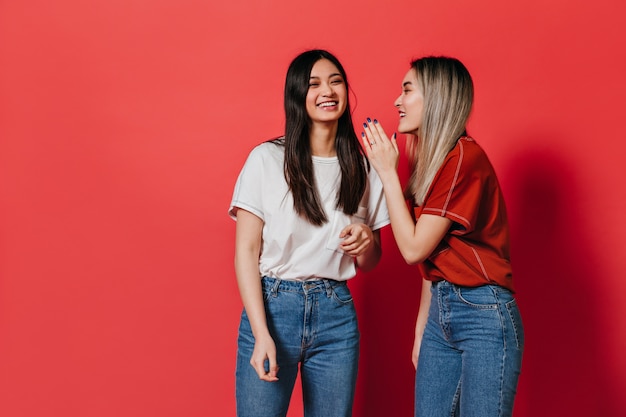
382, 152
265, 349
357, 237
416, 351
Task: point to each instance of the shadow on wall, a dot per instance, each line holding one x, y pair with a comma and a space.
557, 290
387, 300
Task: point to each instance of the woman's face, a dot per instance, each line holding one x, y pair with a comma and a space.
410, 104
327, 97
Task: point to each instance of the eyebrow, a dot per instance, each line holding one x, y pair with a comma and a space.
407, 83
330, 76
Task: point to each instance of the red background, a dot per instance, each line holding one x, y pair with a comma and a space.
123, 125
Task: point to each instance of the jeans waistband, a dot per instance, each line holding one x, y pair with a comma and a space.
309, 286
447, 284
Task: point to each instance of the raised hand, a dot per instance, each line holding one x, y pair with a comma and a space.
381, 151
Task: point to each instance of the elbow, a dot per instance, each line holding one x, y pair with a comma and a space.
414, 257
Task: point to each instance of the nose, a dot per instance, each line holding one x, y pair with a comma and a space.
398, 101
327, 90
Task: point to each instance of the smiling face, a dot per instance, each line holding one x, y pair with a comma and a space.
410, 104
326, 99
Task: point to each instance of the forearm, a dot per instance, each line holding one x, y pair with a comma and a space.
251, 293
247, 251
402, 223
370, 258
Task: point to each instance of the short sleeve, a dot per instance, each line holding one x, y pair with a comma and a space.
457, 189
248, 188
378, 214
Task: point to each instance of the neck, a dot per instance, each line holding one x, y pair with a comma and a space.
322, 140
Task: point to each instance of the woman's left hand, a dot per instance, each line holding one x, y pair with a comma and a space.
381, 151
357, 237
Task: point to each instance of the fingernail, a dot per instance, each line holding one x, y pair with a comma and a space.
364, 124
375, 121
394, 135
362, 134
369, 120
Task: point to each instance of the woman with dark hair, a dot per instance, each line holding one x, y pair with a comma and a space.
308, 211
469, 337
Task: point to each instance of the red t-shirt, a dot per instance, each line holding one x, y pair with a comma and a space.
476, 249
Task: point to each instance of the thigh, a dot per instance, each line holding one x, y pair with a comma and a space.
439, 366
491, 336
329, 367
261, 398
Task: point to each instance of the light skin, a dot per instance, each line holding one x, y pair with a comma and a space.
325, 103
415, 239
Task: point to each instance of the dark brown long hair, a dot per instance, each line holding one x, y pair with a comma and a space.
298, 158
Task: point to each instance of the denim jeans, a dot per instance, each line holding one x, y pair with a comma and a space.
471, 353
314, 326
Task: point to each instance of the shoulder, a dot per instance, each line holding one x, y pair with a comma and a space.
468, 154
266, 153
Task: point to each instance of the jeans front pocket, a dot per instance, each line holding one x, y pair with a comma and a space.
341, 293
478, 297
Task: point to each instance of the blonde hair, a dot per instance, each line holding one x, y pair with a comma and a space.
448, 93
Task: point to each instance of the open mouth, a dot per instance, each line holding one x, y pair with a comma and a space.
402, 114
327, 104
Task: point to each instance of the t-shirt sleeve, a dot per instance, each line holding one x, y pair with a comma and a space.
248, 188
378, 214
456, 191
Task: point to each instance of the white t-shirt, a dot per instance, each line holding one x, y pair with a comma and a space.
292, 247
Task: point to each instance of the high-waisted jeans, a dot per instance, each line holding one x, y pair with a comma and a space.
314, 326
471, 353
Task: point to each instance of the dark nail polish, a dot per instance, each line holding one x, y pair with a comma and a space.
364, 124
362, 134
369, 120
375, 121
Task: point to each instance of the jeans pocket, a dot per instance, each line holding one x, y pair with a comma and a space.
516, 322
478, 297
341, 293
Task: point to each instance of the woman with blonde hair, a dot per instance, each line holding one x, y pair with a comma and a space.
469, 337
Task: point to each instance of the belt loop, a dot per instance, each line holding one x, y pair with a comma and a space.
275, 287
328, 286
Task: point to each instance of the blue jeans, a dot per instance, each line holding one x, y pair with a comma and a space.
471, 353
314, 326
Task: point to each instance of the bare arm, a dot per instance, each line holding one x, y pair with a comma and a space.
416, 240
247, 251
422, 318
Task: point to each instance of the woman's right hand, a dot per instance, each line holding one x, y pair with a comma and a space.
265, 349
382, 152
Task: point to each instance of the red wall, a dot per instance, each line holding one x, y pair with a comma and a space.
123, 125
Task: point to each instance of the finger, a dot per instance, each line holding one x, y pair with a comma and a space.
349, 240
368, 132
348, 230
373, 131
380, 132
394, 142
273, 368
366, 144
259, 368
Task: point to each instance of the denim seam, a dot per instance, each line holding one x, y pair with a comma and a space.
504, 351
513, 322
455, 399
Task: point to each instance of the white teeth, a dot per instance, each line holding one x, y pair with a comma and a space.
402, 114
328, 104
